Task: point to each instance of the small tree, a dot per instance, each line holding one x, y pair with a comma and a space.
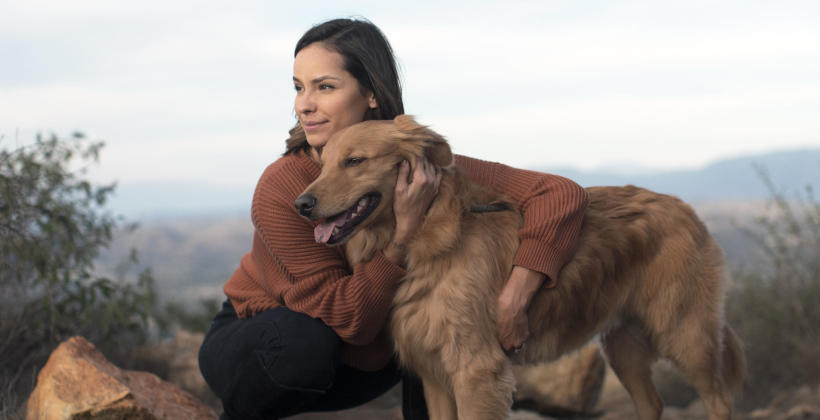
774, 306
53, 224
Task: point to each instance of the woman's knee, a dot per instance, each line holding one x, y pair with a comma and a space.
296, 352
302, 354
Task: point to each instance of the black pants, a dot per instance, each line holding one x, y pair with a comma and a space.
280, 363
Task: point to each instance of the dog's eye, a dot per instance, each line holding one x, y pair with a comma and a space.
353, 161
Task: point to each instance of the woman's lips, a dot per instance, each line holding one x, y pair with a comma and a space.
310, 126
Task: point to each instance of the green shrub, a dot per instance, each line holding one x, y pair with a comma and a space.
175, 316
774, 305
53, 223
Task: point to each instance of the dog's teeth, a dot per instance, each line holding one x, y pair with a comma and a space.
362, 202
336, 230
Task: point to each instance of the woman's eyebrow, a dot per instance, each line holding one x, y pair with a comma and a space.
323, 78
318, 79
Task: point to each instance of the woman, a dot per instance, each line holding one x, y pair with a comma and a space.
302, 331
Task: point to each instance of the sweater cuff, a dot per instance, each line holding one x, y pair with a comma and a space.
380, 267
253, 306
538, 256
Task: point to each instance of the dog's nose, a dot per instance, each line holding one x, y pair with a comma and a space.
305, 203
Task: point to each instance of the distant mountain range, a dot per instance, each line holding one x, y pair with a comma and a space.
193, 236
736, 179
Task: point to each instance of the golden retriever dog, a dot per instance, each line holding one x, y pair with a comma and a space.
647, 279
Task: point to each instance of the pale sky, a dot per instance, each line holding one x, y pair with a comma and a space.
201, 91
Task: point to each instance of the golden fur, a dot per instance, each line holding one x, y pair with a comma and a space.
647, 278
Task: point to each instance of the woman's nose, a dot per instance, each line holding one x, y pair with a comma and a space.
304, 103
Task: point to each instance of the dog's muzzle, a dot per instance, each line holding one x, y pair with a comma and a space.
305, 204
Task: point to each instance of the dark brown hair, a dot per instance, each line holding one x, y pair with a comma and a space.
367, 56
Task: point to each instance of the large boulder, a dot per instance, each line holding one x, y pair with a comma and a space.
569, 385
78, 382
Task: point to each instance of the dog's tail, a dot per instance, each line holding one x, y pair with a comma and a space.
733, 361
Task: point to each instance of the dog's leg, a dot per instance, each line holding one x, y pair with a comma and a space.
440, 403
630, 355
702, 362
484, 393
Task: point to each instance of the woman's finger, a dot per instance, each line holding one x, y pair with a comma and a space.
427, 171
430, 170
404, 171
420, 173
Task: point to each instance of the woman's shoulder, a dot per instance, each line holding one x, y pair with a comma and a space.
295, 162
288, 176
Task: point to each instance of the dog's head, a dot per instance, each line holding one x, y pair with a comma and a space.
359, 172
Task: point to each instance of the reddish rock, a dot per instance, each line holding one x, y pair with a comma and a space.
78, 382
568, 385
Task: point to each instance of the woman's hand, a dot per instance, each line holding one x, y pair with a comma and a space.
411, 199
513, 302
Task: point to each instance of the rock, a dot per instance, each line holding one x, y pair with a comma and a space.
801, 403
78, 382
803, 411
177, 361
184, 367
570, 385
184, 363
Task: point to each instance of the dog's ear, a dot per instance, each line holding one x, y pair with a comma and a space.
435, 147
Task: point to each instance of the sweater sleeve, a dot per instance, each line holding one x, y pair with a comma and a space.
313, 278
552, 207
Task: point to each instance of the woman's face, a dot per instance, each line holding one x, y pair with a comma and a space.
328, 98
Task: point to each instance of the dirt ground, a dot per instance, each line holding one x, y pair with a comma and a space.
615, 404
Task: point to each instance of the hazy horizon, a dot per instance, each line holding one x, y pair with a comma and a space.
733, 179
201, 92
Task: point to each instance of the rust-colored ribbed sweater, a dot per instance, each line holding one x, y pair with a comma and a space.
286, 267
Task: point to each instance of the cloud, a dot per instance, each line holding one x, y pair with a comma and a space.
665, 131
191, 85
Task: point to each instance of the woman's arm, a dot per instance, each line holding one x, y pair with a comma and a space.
314, 279
287, 267
412, 198
552, 208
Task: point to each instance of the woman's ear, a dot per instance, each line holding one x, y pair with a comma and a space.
434, 146
372, 103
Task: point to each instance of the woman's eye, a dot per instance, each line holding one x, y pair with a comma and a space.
325, 86
297, 88
353, 161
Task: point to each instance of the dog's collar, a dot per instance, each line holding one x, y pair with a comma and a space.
488, 208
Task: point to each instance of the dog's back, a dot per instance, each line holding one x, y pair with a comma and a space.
623, 266
647, 277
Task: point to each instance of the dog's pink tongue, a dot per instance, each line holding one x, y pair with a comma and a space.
323, 231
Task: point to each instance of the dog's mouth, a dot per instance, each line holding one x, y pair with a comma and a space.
336, 229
